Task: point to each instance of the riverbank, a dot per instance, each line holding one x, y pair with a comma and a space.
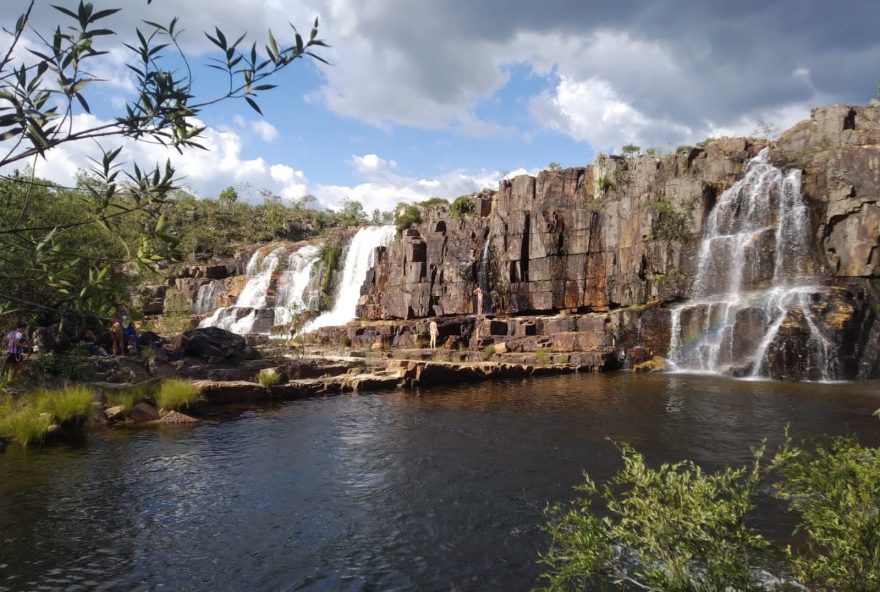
129, 390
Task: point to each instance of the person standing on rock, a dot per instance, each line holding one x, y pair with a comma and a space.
478, 292
434, 331
15, 350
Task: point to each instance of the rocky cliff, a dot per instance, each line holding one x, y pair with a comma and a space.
620, 243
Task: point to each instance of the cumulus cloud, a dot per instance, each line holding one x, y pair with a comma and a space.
382, 188
654, 73
371, 163
265, 130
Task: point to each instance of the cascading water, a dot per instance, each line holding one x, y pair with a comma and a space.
755, 237
207, 296
358, 261
483, 273
241, 317
294, 282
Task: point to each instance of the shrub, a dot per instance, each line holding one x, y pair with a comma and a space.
705, 143
672, 528
177, 394
68, 365
563, 359
488, 352
434, 201
462, 206
73, 404
407, 216
604, 183
329, 261
631, 150
669, 223
836, 491
269, 377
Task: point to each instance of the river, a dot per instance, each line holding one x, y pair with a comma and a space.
438, 489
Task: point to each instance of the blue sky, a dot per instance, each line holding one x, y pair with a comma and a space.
432, 98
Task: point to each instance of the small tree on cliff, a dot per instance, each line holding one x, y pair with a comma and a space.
46, 82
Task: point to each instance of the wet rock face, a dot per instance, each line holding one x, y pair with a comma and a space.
625, 233
617, 233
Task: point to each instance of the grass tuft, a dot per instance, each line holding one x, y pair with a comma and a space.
130, 397
22, 422
73, 404
269, 377
177, 394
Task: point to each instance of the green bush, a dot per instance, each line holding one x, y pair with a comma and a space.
674, 528
669, 223
836, 492
177, 394
329, 261
407, 216
488, 352
604, 183
462, 206
434, 201
73, 404
682, 529
269, 377
68, 365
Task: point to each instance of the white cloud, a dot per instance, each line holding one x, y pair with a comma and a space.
370, 164
593, 112
265, 130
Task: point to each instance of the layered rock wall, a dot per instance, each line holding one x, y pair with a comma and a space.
624, 233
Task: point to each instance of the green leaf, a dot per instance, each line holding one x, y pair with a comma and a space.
253, 104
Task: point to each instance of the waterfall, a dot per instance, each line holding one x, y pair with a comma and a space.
240, 318
293, 283
207, 296
752, 271
358, 261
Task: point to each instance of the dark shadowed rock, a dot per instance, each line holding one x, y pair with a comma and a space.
217, 344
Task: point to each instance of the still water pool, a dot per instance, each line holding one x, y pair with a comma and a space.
438, 489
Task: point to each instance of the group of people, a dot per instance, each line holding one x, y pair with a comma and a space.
123, 337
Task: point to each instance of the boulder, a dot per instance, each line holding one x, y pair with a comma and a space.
144, 411
218, 344
116, 413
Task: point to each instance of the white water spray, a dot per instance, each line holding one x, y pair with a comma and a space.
358, 261
761, 219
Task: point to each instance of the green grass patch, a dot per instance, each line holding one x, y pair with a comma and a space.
73, 404
177, 394
130, 397
269, 377
543, 356
23, 423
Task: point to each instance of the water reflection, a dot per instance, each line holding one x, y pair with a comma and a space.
438, 489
